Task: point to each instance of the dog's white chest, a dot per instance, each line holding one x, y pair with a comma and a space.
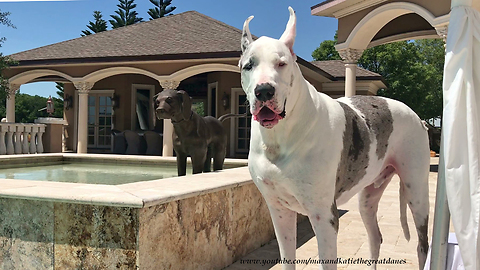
280, 195
272, 152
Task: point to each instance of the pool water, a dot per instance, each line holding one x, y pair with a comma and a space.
90, 173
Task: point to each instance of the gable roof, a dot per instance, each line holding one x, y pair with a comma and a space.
336, 68
189, 33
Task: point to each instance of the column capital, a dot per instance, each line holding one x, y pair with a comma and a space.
442, 31
350, 55
83, 87
12, 89
169, 84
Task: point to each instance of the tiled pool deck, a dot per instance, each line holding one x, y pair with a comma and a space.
352, 237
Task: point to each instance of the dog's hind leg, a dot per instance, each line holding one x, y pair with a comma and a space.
368, 200
220, 151
198, 160
414, 192
285, 225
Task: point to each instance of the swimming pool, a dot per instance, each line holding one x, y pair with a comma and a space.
91, 173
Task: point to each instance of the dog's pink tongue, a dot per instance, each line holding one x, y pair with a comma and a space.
266, 114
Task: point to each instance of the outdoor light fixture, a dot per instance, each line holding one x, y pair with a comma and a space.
68, 102
50, 106
115, 101
225, 101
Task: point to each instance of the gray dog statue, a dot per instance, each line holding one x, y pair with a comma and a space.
201, 138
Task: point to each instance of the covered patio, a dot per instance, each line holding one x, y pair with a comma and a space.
110, 78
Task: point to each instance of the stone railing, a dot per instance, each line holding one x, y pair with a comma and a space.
17, 138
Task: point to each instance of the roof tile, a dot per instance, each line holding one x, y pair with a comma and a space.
184, 33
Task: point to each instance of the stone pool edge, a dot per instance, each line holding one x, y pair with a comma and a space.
136, 195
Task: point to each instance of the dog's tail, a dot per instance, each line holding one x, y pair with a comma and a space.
231, 115
403, 212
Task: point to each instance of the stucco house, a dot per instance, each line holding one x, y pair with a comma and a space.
111, 78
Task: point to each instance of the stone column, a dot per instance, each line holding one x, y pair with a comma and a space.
350, 57
442, 31
12, 89
83, 90
167, 123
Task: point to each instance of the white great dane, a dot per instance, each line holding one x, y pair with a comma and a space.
310, 153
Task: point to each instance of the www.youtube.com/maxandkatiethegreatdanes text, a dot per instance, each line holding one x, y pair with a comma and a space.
308, 261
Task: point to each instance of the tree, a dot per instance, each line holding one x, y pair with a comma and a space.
161, 9
125, 14
99, 25
5, 61
58, 103
326, 50
28, 108
413, 71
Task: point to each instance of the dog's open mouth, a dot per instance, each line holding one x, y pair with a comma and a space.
268, 118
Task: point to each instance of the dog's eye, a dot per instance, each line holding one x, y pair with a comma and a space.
248, 66
168, 100
281, 64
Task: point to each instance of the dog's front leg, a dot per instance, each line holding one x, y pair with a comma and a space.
285, 224
325, 225
181, 163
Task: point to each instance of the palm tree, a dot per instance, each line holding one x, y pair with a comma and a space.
99, 25
161, 9
125, 14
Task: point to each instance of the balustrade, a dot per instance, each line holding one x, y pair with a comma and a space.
18, 138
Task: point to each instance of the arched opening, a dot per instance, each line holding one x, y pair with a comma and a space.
366, 30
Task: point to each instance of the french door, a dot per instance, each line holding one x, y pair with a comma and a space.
241, 127
100, 111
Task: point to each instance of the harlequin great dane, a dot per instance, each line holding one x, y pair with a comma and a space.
310, 153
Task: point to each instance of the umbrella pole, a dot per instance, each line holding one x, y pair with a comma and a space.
441, 221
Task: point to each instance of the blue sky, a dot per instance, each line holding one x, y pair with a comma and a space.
41, 23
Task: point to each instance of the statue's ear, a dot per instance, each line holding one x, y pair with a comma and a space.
186, 104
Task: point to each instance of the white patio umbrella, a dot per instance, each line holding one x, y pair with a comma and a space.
461, 127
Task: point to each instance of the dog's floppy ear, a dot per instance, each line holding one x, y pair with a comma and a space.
186, 105
288, 37
246, 35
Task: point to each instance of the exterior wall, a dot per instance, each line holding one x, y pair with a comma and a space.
205, 232
226, 81
318, 85
122, 85
337, 89
50, 235
347, 24
209, 231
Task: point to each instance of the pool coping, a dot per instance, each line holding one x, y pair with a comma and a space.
136, 195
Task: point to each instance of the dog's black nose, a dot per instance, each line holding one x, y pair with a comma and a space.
264, 91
